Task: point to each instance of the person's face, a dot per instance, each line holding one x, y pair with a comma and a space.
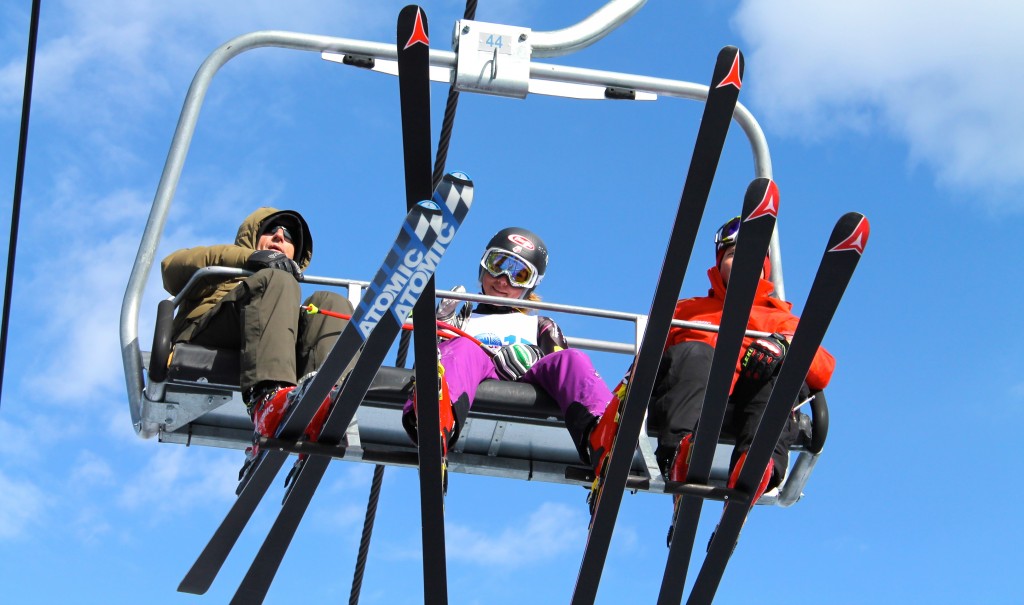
726, 267
276, 240
500, 286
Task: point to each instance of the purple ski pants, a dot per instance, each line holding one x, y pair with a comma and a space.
568, 376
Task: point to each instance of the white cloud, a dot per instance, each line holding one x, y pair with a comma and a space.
173, 483
91, 470
937, 75
21, 506
551, 530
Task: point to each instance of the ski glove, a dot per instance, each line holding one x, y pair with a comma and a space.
272, 259
449, 312
512, 361
763, 358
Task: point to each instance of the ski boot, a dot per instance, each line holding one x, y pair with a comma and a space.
734, 476
315, 427
601, 440
677, 473
447, 418
266, 408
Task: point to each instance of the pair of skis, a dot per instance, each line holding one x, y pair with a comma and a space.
759, 217
842, 254
402, 280
610, 484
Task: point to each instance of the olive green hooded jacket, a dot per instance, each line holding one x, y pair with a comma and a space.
179, 266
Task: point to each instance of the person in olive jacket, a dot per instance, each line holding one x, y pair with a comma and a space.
260, 314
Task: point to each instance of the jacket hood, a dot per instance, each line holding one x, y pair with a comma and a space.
249, 232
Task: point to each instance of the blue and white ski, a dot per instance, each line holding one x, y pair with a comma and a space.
412, 259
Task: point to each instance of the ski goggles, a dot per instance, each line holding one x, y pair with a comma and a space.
727, 233
520, 272
272, 229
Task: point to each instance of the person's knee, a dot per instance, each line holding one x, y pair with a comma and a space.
566, 356
692, 349
275, 283
330, 301
458, 346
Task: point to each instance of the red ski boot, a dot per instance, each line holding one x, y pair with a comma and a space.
677, 473
447, 420
602, 438
266, 408
316, 425
734, 476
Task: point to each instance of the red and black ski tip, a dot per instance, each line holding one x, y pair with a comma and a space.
735, 75
843, 252
418, 33
707, 151
760, 211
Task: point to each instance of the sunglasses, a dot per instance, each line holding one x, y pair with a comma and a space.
273, 229
520, 272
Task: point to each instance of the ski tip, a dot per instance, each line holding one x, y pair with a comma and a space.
417, 33
761, 199
850, 233
429, 205
730, 60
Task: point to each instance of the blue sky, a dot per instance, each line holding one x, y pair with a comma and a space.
905, 112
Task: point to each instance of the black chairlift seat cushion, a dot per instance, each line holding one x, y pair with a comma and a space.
194, 364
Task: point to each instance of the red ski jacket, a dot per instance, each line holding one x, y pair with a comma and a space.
768, 314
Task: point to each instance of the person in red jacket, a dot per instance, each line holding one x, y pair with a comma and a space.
682, 376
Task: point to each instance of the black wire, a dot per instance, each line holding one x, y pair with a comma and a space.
364, 543
30, 63
449, 115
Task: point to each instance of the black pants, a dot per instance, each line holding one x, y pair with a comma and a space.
679, 394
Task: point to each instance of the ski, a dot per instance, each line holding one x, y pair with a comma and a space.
611, 480
421, 234
454, 196
843, 252
760, 211
413, 42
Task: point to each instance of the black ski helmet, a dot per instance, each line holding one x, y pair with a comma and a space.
523, 243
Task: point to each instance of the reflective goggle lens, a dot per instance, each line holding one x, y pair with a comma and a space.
726, 235
519, 271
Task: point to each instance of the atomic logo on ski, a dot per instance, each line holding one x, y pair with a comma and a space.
769, 204
419, 33
857, 240
733, 78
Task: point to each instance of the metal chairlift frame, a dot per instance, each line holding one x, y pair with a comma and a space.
513, 431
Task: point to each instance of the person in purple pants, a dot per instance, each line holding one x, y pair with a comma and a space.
522, 347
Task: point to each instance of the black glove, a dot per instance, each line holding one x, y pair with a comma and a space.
512, 361
272, 259
763, 358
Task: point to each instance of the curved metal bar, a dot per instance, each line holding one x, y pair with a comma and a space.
598, 25
130, 350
